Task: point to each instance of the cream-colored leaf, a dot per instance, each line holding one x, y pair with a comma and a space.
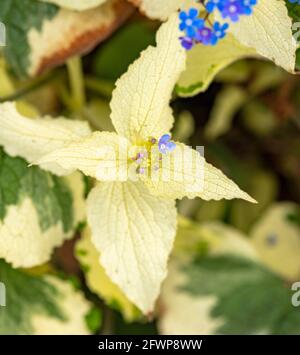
183, 313
140, 102
102, 155
269, 31
24, 243
185, 173
74, 306
134, 233
276, 237
33, 138
72, 32
99, 282
204, 62
157, 9
161, 10
76, 4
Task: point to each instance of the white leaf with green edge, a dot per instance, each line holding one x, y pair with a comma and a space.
204, 62
252, 36
42, 35
75, 309
276, 237
41, 305
232, 291
98, 281
76, 4
227, 104
134, 233
34, 138
246, 292
183, 312
38, 211
19, 18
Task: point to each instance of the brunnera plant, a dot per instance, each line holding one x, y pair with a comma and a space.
138, 171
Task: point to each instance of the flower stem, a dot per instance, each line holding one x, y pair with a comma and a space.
100, 86
76, 80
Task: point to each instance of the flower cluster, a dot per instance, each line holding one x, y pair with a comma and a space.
147, 154
199, 29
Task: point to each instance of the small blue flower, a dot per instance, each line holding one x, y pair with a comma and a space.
233, 9
165, 144
215, 4
190, 23
295, 2
187, 43
219, 32
200, 30
205, 36
248, 5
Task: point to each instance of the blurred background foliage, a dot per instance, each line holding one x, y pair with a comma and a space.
239, 259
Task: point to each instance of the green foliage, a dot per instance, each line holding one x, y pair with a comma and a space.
94, 319
19, 17
50, 194
26, 295
124, 48
294, 11
250, 299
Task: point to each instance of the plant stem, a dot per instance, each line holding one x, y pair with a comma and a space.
109, 322
31, 86
101, 86
76, 80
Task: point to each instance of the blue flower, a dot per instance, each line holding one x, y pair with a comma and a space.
295, 2
248, 4
205, 36
233, 9
215, 4
190, 23
219, 32
187, 43
200, 30
165, 144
